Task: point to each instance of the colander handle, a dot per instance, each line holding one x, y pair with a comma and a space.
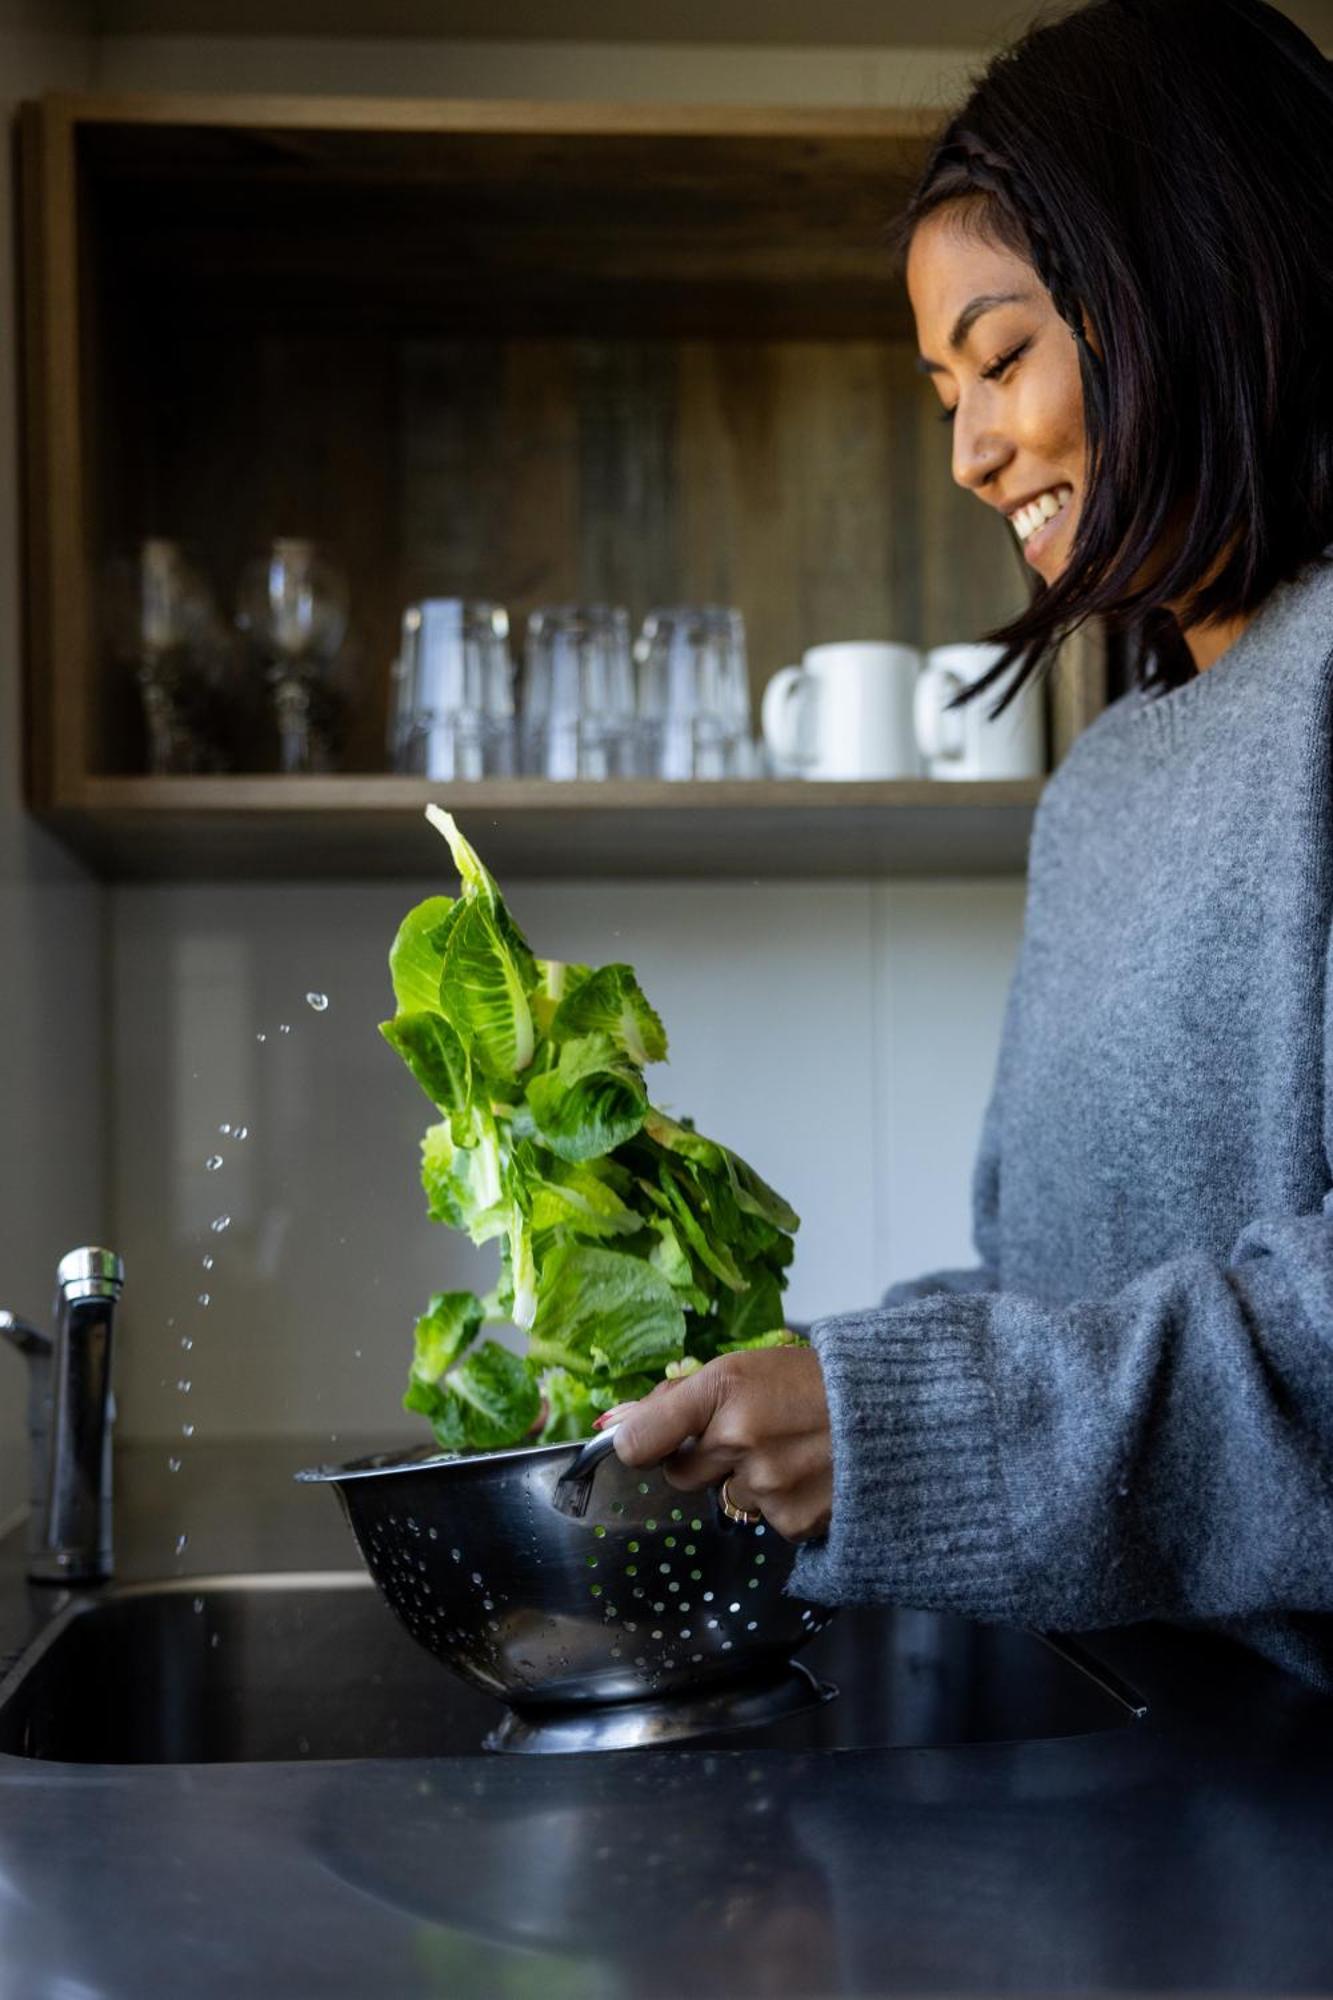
573, 1489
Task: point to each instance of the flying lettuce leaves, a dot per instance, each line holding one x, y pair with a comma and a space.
630, 1245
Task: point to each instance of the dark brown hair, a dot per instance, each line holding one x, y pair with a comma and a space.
1167, 167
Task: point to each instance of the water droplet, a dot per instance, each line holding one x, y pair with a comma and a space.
174, 1464
219, 1223
182, 1542
187, 1430
284, 1027
206, 1263
319, 1001
213, 1162
216, 1639
261, 1036
186, 1342
225, 1130
184, 1386
357, 1353
205, 1298
241, 1132
197, 1606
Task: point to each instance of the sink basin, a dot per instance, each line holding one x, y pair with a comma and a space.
286, 1667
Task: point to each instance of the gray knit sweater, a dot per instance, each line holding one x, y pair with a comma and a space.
1126, 1410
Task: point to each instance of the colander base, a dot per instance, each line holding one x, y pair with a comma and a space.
643, 1725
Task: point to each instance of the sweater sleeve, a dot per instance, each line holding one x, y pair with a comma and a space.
1166, 1452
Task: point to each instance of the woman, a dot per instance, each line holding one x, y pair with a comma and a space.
1120, 262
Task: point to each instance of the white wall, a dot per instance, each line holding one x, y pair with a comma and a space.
841, 1036
51, 915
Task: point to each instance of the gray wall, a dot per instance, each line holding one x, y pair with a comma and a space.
52, 992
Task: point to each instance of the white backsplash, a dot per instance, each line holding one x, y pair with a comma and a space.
842, 1036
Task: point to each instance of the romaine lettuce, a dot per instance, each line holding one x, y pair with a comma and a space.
630, 1245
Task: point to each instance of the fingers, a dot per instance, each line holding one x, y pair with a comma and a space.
657, 1427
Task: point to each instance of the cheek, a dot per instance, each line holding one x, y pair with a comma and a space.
1053, 413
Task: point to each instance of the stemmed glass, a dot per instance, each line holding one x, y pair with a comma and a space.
292, 603
164, 624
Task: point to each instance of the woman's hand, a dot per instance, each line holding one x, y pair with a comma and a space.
759, 1420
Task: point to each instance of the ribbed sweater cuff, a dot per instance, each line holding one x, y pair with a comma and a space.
919, 1514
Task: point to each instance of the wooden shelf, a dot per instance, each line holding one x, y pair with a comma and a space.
522, 351
271, 828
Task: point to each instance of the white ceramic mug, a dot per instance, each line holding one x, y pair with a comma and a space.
845, 712
966, 743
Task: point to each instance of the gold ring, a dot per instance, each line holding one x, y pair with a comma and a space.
734, 1513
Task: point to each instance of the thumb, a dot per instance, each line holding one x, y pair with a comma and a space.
660, 1424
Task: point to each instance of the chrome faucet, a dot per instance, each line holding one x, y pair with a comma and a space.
70, 1415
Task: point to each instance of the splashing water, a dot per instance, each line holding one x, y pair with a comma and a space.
319, 1001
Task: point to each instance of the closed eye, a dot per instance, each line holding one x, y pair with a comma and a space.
996, 369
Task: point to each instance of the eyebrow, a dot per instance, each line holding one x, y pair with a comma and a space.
983, 303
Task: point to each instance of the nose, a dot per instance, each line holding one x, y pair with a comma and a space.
978, 454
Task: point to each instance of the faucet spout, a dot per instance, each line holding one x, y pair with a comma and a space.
70, 1418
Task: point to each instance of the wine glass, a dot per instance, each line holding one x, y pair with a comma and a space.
292, 605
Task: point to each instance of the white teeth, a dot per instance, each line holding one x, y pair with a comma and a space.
1044, 508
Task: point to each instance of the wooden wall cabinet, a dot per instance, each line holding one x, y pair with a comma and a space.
531, 352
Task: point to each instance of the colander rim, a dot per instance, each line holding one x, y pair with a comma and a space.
383, 1464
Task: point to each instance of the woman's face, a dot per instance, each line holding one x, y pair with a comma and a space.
1012, 383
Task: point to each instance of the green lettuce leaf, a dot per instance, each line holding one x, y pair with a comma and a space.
592, 1101
445, 1331
575, 1197
611, 1002
482, 992
500, 1396
604, 1313
464, 1184
434, 1054
415, 960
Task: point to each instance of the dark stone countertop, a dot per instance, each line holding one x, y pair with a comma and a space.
1187, 1852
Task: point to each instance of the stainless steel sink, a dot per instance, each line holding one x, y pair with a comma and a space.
277, 1667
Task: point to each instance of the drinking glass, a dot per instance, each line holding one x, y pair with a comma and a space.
452, 713
292, 603
578, 709
163, 623
694, 693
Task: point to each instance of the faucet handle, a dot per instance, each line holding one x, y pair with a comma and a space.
21, 1333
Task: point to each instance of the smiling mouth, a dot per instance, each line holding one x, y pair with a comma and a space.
1039, 531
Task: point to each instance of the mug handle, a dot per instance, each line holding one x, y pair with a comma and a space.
779, 713
938, 738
